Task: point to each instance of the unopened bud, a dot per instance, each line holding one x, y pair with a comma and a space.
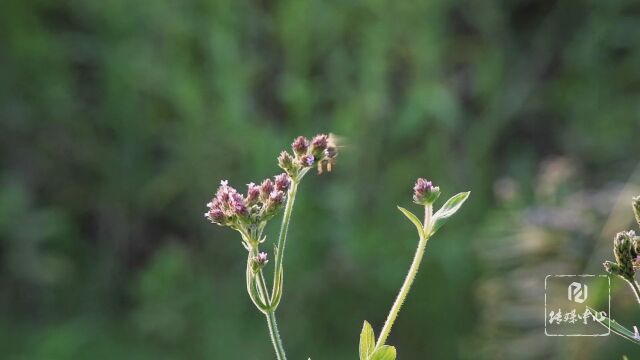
253, 193
274, 203
216, 216
424, 193
276, 197
265, 189
259, 261
622, 252
282, 182
300, 145
238, 205
285, 161
318, 145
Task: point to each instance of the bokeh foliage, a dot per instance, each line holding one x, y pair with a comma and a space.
119, 118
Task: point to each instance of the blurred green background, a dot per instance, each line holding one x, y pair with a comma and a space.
119, 118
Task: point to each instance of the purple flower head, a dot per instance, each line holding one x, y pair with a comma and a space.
422, 186
225, 191
276, 197
253, 192
319, 144
214, 204
215, 215
266, 188
424, 192
237, 204
282, 182
307, 160
300, 145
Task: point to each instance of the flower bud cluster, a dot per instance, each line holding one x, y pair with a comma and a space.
424, 193
626, 249
320, 151
262, 202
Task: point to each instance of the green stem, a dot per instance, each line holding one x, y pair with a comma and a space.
262, 286
282, 239
275, 335
271, 318
406, 286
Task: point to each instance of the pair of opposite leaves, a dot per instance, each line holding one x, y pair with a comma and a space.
367, 346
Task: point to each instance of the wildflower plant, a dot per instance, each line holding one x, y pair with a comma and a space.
425, 194
626, 251
249, 214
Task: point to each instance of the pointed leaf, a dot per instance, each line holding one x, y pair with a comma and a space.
413, 219
448, 209
385, 352
616, 328
367, 341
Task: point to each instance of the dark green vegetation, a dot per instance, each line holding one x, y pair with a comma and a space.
118, 117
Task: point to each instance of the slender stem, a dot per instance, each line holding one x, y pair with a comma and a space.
271, 317
275, 335
428, 214
282, 239
413, 270
277, 276
262, 286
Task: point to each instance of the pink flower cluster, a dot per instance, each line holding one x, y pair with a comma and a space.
320, 151
231, 208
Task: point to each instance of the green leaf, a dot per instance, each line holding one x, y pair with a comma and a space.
616, 328
367, 341
413, 219
385, 352
448, 209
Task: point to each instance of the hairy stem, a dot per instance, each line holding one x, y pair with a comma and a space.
282, 239
413, 270
262, 287
275, 335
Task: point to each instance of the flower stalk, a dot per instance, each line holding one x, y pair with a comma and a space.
249, 215
278, 273
408, 281
425, 194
